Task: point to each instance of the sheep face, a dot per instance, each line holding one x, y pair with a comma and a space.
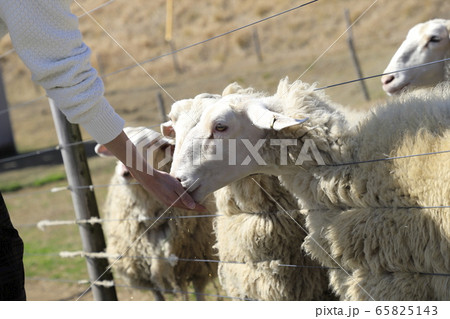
425, 42
224, 146
184, 115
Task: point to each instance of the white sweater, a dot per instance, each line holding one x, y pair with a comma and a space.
45, 35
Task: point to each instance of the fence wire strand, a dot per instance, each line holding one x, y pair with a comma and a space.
212, 38
139, 64
22, 104
382, 74
92, 187
173, 260
117, 285
43, 224
58, 147
80, 16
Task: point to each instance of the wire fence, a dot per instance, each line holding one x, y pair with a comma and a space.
121, 285
172, 260
92, 187
139, 64
81, 254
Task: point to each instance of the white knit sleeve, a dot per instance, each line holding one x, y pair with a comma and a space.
45, 35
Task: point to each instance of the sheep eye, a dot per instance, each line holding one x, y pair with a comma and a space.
435, 39
220, 127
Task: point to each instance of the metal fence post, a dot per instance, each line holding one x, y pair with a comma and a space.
257, 45
7, 146
354, 55
84, 202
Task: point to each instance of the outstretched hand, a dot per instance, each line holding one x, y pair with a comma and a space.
160, 184
167, 189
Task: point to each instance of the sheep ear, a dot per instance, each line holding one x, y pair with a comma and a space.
167, 129
102, 151
268, 120
231, 89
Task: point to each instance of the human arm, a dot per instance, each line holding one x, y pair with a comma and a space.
45, 35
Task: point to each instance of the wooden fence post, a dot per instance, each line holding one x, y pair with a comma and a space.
354, 55
168, 35
7, 146
84, 202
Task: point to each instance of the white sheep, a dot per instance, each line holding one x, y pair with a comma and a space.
382, 223
256, 239
425, 42
152, 247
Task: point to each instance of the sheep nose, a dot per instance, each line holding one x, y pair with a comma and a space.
386, 79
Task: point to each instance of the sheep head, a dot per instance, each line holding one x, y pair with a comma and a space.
425, 42
223, 146
184, 115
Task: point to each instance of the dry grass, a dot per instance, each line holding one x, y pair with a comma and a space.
289, 45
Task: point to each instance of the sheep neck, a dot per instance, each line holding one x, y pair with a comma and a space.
333, 137
258, 194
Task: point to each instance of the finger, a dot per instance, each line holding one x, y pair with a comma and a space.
200, 208
188, 201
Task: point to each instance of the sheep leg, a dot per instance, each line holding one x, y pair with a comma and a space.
198, 296
199, 288
158, 296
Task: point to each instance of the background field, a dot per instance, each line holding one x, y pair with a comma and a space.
290, 44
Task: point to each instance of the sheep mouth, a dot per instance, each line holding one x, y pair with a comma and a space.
194, 190
392, 90
189, 186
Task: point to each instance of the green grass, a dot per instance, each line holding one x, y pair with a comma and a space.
41, 253
11, 187
6, 187
54, 177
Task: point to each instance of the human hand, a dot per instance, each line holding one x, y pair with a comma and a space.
164, 187
167, 189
